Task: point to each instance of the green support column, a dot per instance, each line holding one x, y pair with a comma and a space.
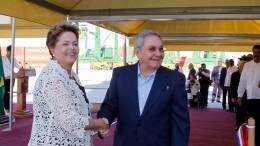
222, 55
196, 54
115, 51
97, 51
178, 54
86, 40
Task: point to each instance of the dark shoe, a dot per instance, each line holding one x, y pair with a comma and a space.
230, 110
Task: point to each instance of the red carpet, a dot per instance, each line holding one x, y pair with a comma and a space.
209, 127
212, 127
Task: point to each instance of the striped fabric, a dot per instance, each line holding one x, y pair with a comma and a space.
242, 135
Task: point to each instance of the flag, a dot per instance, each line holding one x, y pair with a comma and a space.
2, 86
242, 135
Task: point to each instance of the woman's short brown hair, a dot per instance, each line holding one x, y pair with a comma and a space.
56, 31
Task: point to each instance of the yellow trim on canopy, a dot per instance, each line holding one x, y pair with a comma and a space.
176, 27
24, 29
125, 4
66, 4
31, 12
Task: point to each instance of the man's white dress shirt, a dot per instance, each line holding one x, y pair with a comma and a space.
250, 80
230, 71
144, 87
7, 67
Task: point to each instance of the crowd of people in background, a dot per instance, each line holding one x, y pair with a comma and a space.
224, 80
239, 83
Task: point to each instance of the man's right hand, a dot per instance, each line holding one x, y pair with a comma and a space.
96, 124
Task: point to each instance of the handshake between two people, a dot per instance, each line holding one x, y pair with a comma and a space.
100, 124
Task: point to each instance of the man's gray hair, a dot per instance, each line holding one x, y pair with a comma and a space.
140, 37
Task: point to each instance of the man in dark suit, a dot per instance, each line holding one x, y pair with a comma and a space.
149, 101
223, 74
192, 70
205, 82
241, 112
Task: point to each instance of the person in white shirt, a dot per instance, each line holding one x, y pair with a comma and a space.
250, 82
7, 73
193, 90
215, 77
231, 69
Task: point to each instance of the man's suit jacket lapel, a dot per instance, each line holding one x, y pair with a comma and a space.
158, 85
134, 89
